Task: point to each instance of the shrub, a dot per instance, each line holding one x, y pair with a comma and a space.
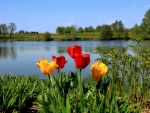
47, 36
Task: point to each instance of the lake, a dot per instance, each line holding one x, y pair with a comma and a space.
20, 57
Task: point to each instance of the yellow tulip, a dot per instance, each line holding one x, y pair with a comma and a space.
47, 67
98, 70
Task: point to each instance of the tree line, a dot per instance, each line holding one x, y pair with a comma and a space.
106, 31
4, 29
115, 30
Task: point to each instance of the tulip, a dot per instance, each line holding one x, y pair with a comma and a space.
81, 60
98, 70
47, 67
72, 50
61, 61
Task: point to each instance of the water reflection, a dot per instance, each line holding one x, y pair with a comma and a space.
61, 50
26, 54
88, 49
64, 50
6, 52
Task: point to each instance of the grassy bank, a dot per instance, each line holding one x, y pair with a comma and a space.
55, 37
60, 37
124, 89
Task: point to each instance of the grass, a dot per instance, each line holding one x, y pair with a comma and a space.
63, 37
125, 88
56, 37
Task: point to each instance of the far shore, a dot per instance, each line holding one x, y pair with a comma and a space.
61, 37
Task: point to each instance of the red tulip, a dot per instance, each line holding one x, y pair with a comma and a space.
60, 61
81, 60
72, 50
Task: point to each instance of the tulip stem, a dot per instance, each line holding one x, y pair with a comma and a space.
49, 76
80, 81
58, 73
50, 79
80, 74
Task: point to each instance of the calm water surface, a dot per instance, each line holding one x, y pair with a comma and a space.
20, 58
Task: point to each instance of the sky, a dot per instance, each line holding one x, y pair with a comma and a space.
47, 15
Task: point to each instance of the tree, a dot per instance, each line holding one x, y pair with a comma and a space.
0, 30
90, 29
98, 28
117, 28
74, 33
11, 28
3, 29
80, 30
106, 32
120, 26
47, 36
21, 32
68, 30
146, 22
138, 31
125, 34
60, 30
85, 29
114, 26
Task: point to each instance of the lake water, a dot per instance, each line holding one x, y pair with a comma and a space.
20, 58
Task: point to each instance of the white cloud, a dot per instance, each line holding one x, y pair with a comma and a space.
133, 6
141, 18
109, 23
148, 5
71, 17
70, 23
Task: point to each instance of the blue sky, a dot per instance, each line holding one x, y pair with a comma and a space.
47, 15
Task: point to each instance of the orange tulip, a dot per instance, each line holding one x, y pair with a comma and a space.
47, 67
98, 70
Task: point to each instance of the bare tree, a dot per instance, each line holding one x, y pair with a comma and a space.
11, 28
3, 29
0, 30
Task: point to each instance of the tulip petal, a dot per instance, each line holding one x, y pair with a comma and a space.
60, 61
81, 60
96, 74
98, 70
104, 68
52, 66
53, 57
72, 50
43, 65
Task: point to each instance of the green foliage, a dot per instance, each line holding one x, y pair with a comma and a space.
106, 32
47, 36
18, 94
68, 30
98, 28
146, 22
138, 32
118, 28
80, 30
125, 88
3, 30
89, 29
60, 30
74, 33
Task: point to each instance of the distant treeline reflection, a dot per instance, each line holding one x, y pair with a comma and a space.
6, 52
63, 50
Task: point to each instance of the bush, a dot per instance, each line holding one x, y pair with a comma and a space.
47, 36
106, 32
